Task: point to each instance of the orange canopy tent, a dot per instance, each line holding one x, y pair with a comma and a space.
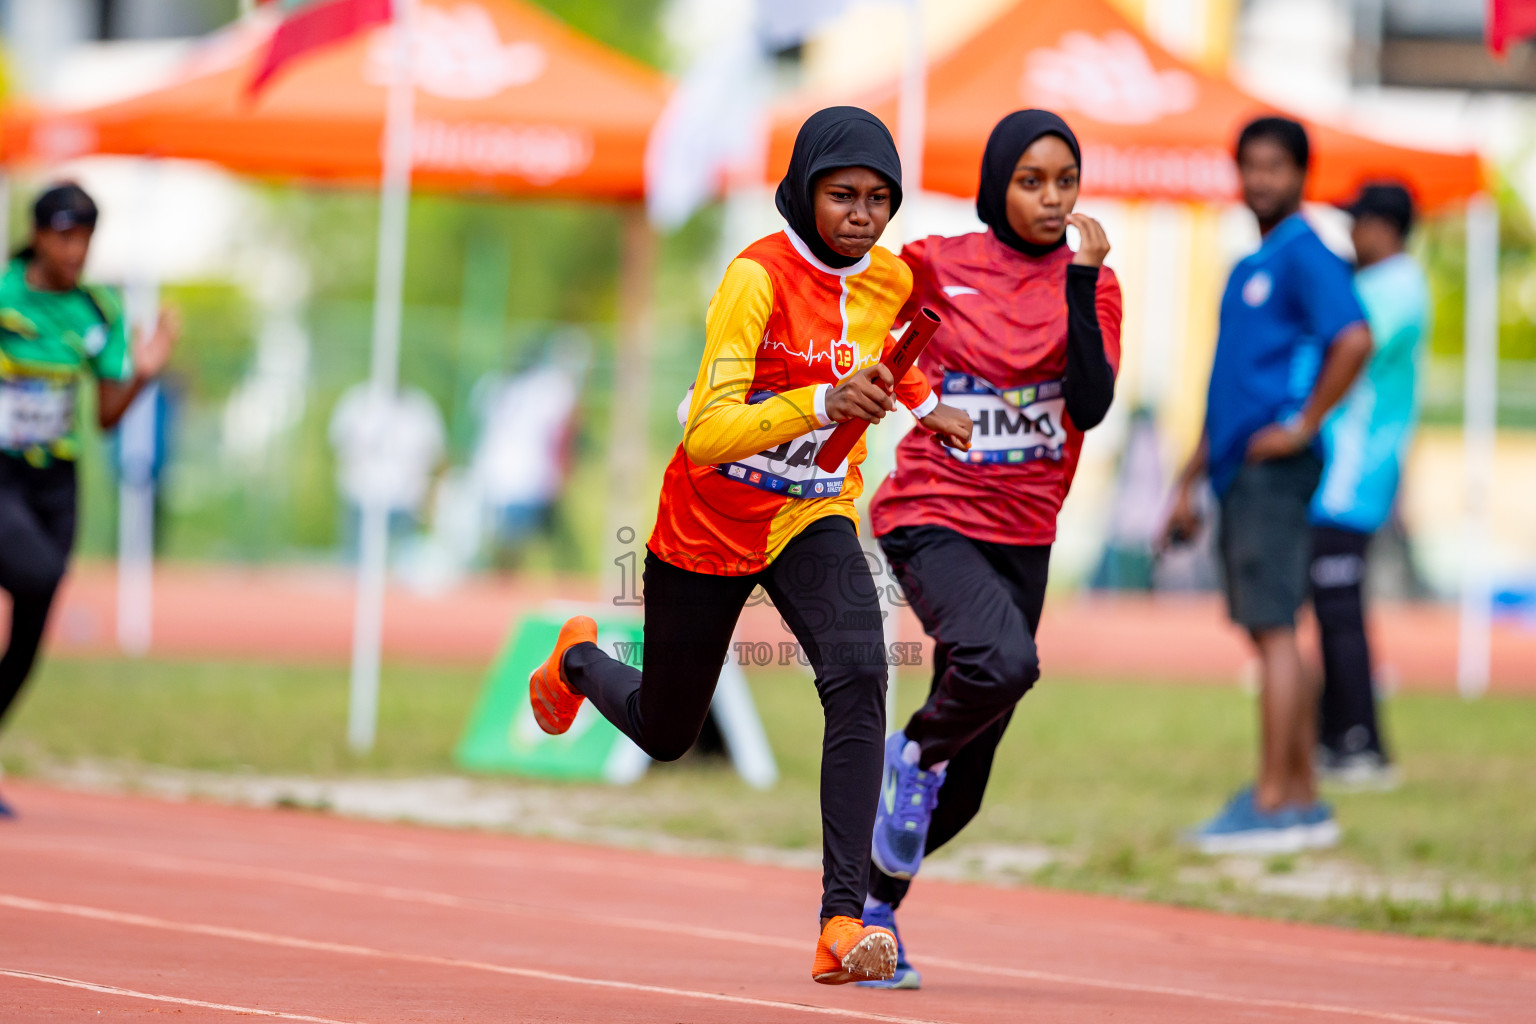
508, 101
1151, 125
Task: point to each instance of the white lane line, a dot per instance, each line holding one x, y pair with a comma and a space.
428, 897
314, 946
217, 868
1257, 1002
113, 990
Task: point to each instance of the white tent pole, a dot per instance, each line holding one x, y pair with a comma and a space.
137, 438
389, 283
1474, 654
911, 136
912, 114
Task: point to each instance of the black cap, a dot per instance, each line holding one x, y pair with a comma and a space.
63, 207
1387, 201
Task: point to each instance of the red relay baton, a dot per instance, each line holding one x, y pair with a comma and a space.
903, 356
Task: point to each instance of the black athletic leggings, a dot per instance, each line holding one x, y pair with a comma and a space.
37, 529
822, 587
1347, 712
981, 603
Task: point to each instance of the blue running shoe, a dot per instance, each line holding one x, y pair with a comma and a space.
907, 799
5, 809
883, 915
1242, 828
1321, 827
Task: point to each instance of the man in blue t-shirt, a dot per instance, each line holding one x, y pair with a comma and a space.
1364, 440
1292, 339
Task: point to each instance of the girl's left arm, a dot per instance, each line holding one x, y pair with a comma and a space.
151, 351
1093, 343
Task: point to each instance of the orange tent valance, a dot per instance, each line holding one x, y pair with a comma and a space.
509, 100
1151, 126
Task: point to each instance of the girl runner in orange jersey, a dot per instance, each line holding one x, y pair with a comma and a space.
794, 342
1030, 349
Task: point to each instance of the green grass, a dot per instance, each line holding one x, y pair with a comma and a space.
1103, 776
232, 717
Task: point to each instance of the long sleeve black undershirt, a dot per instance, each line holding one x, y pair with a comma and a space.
1089, 386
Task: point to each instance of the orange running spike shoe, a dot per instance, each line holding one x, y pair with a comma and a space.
554, 702
848, 951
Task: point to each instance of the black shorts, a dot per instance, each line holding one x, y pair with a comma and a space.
1265, 540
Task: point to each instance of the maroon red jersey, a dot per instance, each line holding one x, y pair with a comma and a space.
1001, 356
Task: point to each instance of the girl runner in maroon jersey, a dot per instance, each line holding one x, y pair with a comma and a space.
1030, 349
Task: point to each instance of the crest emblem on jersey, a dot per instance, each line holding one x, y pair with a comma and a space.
843, 355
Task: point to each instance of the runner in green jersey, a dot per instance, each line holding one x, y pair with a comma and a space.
54, 333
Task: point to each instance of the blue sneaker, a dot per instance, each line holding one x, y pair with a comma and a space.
907, 799
1321, 827
1242, 828
5, 809
883, 915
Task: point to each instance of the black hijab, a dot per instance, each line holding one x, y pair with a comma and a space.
829, 139
1012, 136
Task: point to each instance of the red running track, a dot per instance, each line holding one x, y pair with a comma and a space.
299, 615
139, 909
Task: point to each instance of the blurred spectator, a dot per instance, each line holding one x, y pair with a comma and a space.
1292, 339
1364, 441
387, 451
522, 458
56, 333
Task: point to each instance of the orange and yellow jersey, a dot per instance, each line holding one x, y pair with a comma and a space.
782, 330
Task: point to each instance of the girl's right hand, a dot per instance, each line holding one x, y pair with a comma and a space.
951, 427
865, 395
152, 349
1093, 243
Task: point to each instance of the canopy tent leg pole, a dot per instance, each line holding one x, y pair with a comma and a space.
912, 114
388, 299
1475, 650
138, 441
911, 140
629, 410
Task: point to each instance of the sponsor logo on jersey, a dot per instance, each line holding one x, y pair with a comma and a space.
755, 478
1256, 291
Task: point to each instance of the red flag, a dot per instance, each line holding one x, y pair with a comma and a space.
1510, 22
311, 24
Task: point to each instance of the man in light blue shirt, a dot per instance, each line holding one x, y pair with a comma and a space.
1364, 441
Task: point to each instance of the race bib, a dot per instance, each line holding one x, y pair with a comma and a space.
34, 412
790, 469
1014, 425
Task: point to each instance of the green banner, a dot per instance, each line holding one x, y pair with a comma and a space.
502, 736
